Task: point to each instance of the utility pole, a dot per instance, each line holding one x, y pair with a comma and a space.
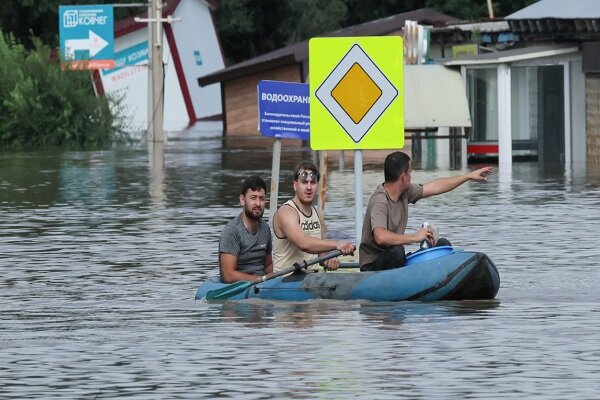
156, 68
490, 9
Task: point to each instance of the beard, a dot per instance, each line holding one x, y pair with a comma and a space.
255, 213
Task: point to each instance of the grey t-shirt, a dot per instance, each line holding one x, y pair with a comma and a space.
249, 249
388, 214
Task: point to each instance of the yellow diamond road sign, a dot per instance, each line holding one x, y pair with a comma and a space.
356, 93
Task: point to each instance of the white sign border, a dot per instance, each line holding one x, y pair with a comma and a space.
388, 93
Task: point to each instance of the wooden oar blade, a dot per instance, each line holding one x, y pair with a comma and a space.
228, 291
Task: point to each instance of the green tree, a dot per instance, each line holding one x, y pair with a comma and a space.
41, 105
248, 28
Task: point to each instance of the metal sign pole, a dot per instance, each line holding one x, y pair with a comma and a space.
358, 190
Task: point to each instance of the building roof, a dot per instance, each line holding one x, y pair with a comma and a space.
561, 9
578, 19
513, 55
298, 52
484, 26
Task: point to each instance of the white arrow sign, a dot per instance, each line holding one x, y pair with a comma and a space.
93, 43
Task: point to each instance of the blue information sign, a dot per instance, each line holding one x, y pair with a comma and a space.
283, 110
87, 35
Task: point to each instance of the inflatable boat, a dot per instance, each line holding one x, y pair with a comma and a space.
439, 273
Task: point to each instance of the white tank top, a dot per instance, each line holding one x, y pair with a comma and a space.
285, 253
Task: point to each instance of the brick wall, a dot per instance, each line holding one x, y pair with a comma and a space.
241, 105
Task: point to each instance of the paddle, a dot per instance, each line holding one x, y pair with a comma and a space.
238, 287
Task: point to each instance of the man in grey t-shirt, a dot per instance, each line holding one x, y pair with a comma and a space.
383, 237
245, 243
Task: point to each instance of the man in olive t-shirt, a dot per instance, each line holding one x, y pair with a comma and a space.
383, 235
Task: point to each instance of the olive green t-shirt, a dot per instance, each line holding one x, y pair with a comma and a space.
388, 214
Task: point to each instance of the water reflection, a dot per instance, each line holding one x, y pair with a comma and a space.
156, 154
399, 313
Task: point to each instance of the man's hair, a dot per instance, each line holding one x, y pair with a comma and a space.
304, 165
394, 165
253, 183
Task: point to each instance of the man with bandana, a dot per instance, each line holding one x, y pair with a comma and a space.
245, 243
298, 227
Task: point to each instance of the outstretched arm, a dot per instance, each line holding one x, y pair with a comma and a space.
443, 185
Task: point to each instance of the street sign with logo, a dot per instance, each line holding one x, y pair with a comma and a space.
356, 93
87, 36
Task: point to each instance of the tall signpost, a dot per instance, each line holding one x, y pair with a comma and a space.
356, 99
87, 42
156, 73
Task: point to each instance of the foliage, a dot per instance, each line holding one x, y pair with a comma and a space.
280, 22
41, 105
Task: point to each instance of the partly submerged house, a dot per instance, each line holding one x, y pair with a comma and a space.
533, 81
191, 49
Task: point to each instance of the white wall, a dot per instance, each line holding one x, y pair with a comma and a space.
195, 32
200, 54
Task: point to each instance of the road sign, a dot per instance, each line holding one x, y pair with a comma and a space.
356, 93
283, 109
87, 36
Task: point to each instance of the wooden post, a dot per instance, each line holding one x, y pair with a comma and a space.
490, 8
274, 179
322, 181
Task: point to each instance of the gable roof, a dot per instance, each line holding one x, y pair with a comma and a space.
298, 52
559, 18
561, 9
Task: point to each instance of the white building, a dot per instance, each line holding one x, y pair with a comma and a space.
533, 90
191, 49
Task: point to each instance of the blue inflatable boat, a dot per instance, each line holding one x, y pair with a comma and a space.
439, 273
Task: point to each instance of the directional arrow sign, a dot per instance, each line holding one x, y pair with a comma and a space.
87, 36
94, 44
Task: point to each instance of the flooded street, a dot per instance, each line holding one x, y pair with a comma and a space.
101, 253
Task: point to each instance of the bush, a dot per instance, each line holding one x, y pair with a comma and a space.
42, 105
